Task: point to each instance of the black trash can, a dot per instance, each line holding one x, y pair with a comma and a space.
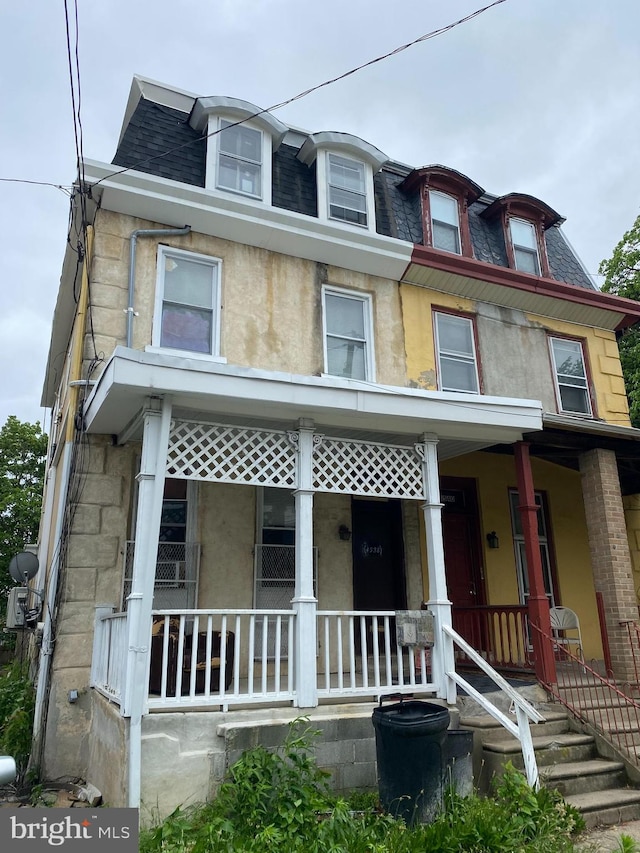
411, 756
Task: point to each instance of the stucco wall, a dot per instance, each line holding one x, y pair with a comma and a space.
92, 574
509, 337
271, 304
108, 752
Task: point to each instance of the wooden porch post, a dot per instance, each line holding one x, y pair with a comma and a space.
304, 601
442, 658
155, 441
544, 660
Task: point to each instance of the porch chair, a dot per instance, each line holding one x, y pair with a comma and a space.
565, 630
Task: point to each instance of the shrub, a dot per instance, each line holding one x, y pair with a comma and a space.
17, 701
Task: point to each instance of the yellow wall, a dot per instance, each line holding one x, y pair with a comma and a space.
602, 351
495, 475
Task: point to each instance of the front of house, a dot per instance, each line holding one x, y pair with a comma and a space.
296, 389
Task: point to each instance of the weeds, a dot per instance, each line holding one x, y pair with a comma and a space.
17, 701
280, 801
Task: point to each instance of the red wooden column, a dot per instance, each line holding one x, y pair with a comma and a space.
544, 659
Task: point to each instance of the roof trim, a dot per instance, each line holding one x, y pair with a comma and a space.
424, 256
345, 143
444, 176
240, 110
522, 204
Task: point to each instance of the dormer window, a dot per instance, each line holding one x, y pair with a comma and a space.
240, 159
347, 190
445, 222
525, 246
241, 139
524, 221
445, 196
345, 166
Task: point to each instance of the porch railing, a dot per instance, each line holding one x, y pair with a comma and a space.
109, 655
499, 632
221, 657
358, 655
611, 710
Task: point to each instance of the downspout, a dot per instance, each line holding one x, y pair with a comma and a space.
143, 232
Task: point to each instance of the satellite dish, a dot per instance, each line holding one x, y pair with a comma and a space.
23, 567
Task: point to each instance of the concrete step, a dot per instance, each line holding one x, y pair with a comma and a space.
604, 808
583, 777
549, 749
488, 729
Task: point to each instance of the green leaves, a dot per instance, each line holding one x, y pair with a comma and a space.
23, 449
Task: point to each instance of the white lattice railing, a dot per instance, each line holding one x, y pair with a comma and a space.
363, 468
109, 655
221, 657
359, 656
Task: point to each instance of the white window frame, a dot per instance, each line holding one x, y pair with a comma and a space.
214, 126
454, 355
367, 308
455, 226
165, 252
322, 179
519, 247
559, 385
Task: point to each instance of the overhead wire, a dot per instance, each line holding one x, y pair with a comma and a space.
425, 37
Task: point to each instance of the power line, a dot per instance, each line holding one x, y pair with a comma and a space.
306, 92
65, 189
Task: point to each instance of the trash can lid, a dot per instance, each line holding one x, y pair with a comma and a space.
425, 716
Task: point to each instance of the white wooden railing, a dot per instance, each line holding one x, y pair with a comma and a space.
109, 654
358, 656
192, 665
524, 711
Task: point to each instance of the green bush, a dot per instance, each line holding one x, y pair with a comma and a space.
279, 802
17, 701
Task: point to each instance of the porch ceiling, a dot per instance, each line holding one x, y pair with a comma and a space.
221, 392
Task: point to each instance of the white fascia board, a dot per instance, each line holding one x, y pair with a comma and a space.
249, 222
159, 93
132, 375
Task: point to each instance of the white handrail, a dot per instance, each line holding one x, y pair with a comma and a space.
525, 711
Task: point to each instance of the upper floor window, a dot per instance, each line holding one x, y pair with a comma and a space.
525, 245
347, 190
240, 159
445, 222
348, 337
187, 315
456, 353
572, 387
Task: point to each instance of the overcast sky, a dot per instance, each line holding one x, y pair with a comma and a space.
535, 96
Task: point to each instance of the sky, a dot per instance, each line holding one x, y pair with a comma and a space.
533, 96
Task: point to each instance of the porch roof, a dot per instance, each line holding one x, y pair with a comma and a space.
213, 390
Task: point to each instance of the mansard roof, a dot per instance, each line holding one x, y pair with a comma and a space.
154, 129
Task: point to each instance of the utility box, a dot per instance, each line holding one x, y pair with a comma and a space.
415, 628
17, 606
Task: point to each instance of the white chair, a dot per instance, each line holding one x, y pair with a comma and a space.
565, 629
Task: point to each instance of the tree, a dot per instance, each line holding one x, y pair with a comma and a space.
23, 451
622, 277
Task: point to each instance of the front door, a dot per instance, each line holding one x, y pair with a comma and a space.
378, 555
461, 542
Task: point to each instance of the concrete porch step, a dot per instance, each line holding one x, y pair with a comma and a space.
603, 808
488, 729
549, 749
582, 777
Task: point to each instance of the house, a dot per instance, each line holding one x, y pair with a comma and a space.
298, 387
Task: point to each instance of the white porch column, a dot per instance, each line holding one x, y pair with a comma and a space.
304, 601
442, 659
155, 441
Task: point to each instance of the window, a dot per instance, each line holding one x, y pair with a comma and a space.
347, 190
348, 337
187, 302
456, 351
445, 222
525, 246
572, 388
240, 159
520, 551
